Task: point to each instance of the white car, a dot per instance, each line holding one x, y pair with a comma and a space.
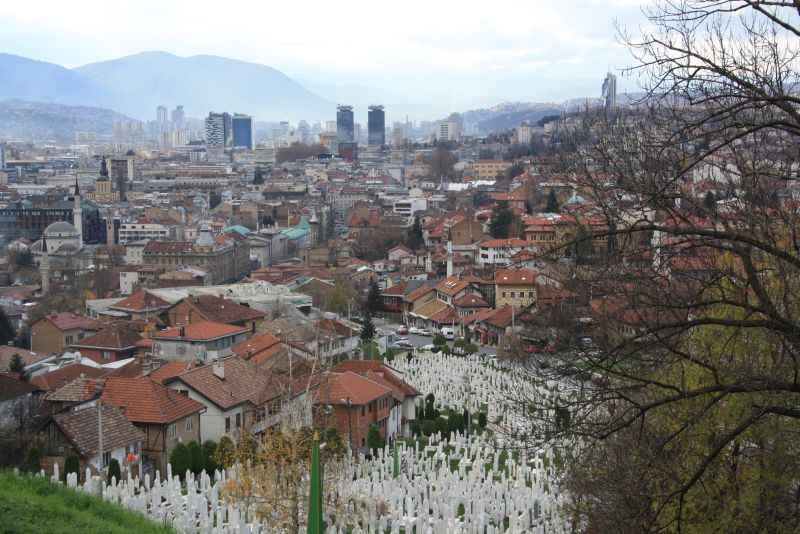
413, 330
429, 346
423, 332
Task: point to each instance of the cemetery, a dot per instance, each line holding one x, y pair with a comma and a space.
456, 483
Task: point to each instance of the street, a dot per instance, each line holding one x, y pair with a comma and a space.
420, 341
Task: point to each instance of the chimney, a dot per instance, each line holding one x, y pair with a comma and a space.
219, 369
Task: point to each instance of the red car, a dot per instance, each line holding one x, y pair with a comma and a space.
401, 331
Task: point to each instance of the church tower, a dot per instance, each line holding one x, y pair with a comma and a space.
102, 192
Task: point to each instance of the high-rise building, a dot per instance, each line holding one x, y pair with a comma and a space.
610, 92
243, 133
162, 119
178, 118
344, 124
215, 129
376, 126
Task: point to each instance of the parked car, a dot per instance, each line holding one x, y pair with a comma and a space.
402, 331
449, 333
423, 332
429, 346
399, 345
413, 330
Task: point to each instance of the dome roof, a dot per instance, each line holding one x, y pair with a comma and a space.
60, 227
130, 153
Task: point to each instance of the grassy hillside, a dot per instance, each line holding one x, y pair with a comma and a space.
30, 504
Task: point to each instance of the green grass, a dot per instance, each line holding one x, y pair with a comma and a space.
32, 504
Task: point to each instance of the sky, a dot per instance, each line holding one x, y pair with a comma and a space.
461, 53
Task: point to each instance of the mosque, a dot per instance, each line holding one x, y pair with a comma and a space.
61, 250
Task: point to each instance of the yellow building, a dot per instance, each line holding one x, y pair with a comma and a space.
515, 287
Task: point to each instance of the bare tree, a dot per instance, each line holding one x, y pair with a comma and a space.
693, 312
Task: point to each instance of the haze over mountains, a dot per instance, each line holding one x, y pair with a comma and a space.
135, 85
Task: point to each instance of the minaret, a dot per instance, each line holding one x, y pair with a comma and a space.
44, 267
77, 213
449, 256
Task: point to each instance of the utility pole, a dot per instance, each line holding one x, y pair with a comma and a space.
100, 433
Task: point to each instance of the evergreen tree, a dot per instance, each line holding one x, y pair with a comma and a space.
16, 365
181, 460
710, 201
210, 456
375, 441
196, 455
368, 328
32, 462
7, 332
482, 419
71, 465
500, 223
113, 471
552, 202
414, 238
258, 176
430, 409
373, 298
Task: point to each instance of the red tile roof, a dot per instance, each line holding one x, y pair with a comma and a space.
59, 377
242, 384
11, 387
418, 293
141, 301
115, 336
145, 401
68, 321
502, 243
200, 331
79, 390
470, 300
220, 310
349, 385
256, 344
81, 430
515, 277
168, 370
451, 286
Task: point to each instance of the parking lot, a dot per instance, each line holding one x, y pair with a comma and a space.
420, 341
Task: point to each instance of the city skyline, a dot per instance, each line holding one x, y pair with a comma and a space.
469, 62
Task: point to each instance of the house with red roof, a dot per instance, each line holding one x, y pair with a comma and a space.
116, 341
54, 332
357, 403
402, 391
141, 306
164, 416
213, 308
241, 399
202, 341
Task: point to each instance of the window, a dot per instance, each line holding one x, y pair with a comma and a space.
106, 458
172, 430
362, 411
106, 355
513, 294
68, 340
503, 293
190, 424
227, 425
238, 420
370, 407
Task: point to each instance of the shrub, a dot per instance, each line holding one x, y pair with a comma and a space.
71, 465
181, 460
439, 340
32, 461
375, 441
455, 422
428, 428
430, 411
209, 456
416, 428
225, 449
196, 456
441, 426
482, 419
113, 471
